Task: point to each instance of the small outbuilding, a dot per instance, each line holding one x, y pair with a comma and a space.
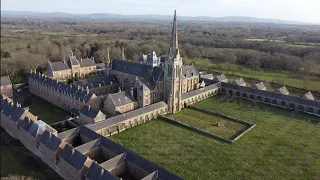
283, 90
221, 78
260, 86
308, 96
240, 82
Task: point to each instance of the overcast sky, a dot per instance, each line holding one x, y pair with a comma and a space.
297, 10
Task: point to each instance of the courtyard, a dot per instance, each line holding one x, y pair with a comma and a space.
282, 145
228, 129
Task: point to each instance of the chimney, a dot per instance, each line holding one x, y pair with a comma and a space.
99, 85
131, 91
89, 107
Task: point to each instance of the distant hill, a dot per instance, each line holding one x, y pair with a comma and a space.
29, 14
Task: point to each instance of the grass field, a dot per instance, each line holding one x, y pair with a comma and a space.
228, 129
311, 83
19, 163
281, 146
46, 111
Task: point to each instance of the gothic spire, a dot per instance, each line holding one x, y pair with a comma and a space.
174, 48
123, 57
108, 56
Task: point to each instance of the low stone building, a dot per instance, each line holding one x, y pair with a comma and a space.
283, 90
72, 68
309, 96
120, 102
260, 86
272, 98
240, 82
221, 78
62, 95
89, 115
6, 86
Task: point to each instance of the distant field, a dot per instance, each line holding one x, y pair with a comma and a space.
283, 145
228, 129
311, 83
297, 44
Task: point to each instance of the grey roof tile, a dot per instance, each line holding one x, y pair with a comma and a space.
59, 66
5, 80
95, 82
121, 98
89, 112
198, 91
188, 71
87, 62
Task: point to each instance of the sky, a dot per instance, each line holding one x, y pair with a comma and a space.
296, 10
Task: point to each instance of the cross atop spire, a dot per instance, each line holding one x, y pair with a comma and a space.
174, 48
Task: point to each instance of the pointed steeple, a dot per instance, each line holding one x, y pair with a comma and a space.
174, 48
122, 48
108, 56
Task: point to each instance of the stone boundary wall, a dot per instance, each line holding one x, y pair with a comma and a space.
251, 125
195, 129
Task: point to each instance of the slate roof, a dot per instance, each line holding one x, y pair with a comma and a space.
122, 117
5, 80
89, 112
72, 60
220, 78
239, 81
198, 91
33, 131
96, 172
137, 69
309, 96
282, 90
269, 94
73, 157
12, 110
54, 143
26, 123
84, 148
100, 66
76, 93
87, 62
95, 82
121, 98
59, 66
259, 85
148, 83
188, 71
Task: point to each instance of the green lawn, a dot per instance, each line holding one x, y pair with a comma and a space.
281, 146
311, 83
19, 163
228, 129
46, 111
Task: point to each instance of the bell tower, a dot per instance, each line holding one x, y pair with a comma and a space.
172, 72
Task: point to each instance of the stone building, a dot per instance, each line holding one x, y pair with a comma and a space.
240, 82
283, 90
260, 86
221, 78
309, 96
99, 85
273, 98
64, 96
6, 86
88, 115
72, 68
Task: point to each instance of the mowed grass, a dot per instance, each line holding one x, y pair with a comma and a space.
46, 111
228, 129
311, 83
283, 145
